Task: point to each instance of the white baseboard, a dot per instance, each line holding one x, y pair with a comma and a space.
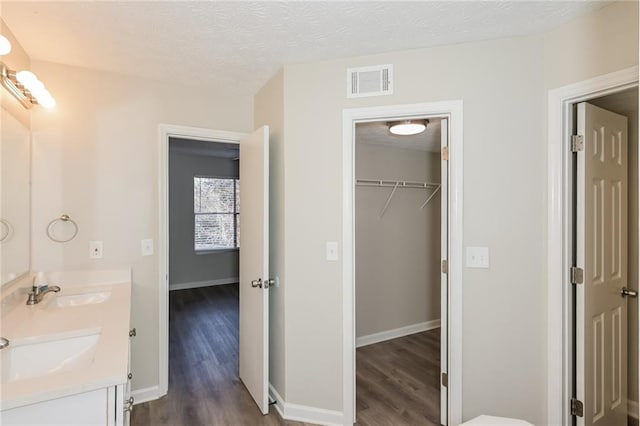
305, 414
279, 402
632, 409
398, 332
145, 394
197, 284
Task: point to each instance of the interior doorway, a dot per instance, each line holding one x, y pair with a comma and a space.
253, 277
605, 238
398, 240
448, 264
593, 221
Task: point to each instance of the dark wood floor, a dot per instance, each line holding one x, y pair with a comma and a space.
397, 381
204, 387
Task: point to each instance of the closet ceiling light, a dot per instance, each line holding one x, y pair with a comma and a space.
5, 45
407, 127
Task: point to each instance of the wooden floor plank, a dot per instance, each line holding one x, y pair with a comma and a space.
397, 381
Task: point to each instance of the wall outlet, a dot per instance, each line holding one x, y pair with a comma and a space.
332, 251
147, 247
478, 257
95, 249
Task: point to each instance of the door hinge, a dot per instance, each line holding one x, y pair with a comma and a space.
445, 380
445, 153
577, 143
577, 407
576, 275
444, 266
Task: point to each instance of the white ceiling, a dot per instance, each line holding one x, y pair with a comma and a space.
377, 133
239, 45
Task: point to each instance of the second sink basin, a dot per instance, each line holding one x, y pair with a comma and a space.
80, 299
53, 354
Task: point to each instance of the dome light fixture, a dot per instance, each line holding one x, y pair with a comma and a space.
5, 45
407, 127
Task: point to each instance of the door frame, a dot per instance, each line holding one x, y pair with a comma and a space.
166, 131
452, 110
559, 234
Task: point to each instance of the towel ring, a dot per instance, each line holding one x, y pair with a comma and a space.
63, 218
7, 230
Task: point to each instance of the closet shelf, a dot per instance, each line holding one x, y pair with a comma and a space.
395, 184
382, 183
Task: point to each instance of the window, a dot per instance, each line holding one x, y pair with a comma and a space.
216, 206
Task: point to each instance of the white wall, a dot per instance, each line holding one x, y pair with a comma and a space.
95, 157
503, 84
185, 265
398, 255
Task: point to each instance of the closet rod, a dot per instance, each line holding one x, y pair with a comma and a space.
393, 183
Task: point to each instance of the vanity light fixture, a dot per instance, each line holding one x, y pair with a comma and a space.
407, 127
5, 45
26, 88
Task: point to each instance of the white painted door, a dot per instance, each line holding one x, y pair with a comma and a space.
601, 251
254, 265
444, 280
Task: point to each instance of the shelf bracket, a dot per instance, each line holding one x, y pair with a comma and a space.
433, 194
386, 205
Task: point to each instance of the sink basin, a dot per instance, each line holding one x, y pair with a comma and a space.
80, 299
53, 354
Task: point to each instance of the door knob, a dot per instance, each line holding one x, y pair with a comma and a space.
628, 293
256, 283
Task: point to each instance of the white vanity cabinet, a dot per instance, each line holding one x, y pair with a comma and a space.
83, 333
110, 406
101, 407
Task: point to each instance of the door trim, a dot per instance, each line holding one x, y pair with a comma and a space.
559, 236
453, 111
165, 131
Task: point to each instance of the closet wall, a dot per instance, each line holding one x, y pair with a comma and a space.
398, 255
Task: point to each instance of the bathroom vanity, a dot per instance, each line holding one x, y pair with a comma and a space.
68, 358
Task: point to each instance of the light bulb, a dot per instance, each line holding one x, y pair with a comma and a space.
5, 45
36, 88
46, 100
26, 78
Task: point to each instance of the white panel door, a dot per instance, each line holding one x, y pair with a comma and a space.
601, 251
254, 265
444, 279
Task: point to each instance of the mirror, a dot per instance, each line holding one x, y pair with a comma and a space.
15, 196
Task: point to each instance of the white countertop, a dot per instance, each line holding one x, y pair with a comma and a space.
21, 324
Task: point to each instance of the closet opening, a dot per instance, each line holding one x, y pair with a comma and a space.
400, 242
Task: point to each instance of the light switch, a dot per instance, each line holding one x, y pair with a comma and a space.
147, 247
332, 251
477, 257
95, 249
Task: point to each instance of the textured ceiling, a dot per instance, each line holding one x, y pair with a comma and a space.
377, 133
240, 45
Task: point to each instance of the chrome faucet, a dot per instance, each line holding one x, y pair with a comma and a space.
38, 292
